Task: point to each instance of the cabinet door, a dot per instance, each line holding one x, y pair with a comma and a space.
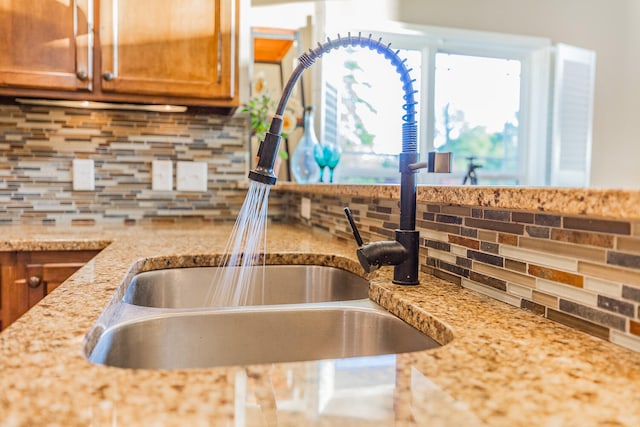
46, 44
17, 295
27, 277
53, 274
168, 47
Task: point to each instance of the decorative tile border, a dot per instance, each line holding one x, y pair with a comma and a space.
578, 270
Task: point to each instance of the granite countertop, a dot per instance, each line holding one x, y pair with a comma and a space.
499, 365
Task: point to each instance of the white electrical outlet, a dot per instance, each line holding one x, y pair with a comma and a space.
305, 208
191, 176
162, 175
83, 175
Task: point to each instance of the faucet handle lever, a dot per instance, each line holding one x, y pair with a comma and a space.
352, 223
419, 165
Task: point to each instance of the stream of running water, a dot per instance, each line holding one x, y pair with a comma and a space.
240, 265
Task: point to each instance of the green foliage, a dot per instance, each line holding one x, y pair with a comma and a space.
357, 133
496, 151
258, 109
352, 65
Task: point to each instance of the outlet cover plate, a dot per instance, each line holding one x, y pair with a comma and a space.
83, 175
305, 208
162, 175
191, 176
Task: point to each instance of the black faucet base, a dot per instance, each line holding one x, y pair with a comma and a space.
406, 273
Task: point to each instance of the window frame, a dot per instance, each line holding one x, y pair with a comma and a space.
532, 52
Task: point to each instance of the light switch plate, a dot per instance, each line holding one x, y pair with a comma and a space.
191, 176
305, 208
83, 175
162, 175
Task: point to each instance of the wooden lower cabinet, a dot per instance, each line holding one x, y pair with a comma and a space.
27, 277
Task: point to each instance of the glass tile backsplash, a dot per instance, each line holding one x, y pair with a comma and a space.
579, 270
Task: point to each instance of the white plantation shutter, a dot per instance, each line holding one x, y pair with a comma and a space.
572, 115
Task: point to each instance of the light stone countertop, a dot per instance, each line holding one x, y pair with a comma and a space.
500, 366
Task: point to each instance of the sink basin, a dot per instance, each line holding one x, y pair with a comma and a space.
297, 313
283, 284
253, 335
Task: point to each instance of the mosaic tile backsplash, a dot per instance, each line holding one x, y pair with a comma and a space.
578, 270
38, 145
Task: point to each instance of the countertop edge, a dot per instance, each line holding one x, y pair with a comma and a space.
605, 203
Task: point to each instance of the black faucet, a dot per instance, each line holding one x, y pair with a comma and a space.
403, 252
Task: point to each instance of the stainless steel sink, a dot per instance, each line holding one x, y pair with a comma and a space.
253, 335
299, 313
283, 284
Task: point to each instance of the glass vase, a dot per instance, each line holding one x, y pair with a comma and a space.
303, 164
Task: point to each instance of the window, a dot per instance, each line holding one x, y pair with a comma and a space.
476, 108
483, 96
368, 113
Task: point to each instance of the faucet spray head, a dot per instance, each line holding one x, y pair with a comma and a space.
267, 153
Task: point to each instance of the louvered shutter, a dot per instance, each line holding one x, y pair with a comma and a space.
572, 115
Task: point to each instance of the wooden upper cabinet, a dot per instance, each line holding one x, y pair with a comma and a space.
167, 47
133, 51
46, 44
